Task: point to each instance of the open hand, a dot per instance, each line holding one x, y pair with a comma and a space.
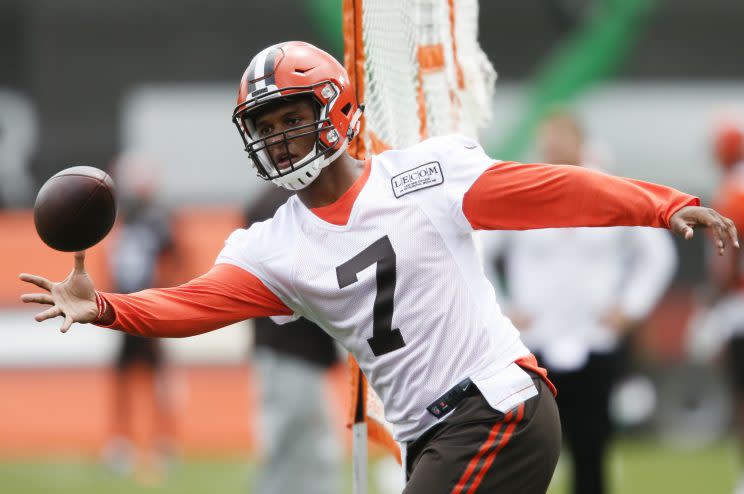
74, 298
723, 229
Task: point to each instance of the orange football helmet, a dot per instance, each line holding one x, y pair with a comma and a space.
287, 70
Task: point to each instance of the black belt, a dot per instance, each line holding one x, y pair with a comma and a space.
449, 400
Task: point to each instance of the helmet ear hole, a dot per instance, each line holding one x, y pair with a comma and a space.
346, 109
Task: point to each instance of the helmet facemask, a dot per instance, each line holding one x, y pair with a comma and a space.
300, 172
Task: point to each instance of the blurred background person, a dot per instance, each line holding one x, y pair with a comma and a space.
141, 439
18, 135
718, 329
300, 451
575, 294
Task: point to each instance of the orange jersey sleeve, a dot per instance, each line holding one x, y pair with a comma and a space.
224, 295
516, 196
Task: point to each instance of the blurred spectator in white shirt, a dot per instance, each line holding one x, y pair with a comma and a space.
574, 293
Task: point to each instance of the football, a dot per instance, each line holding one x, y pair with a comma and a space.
75, 209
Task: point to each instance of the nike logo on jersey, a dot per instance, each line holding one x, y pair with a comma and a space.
421, 177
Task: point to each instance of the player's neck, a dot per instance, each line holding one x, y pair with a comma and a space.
332, 182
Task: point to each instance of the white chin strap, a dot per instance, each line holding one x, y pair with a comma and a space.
306, 173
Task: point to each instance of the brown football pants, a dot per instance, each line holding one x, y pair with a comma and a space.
480, 450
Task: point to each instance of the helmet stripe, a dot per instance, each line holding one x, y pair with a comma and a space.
269, 67
264, 65
251, 76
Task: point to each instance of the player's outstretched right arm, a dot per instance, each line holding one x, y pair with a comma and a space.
224, 295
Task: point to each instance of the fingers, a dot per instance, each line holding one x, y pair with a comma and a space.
52, 312
37, 298
37, 280
718, 235
79, 262
48, 314
66, 325
733, 235
681, 228
722, 229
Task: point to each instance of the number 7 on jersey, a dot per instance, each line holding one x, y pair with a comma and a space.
384, 339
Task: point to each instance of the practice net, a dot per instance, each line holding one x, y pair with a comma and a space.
418, 68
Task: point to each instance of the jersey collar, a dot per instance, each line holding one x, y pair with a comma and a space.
338, 212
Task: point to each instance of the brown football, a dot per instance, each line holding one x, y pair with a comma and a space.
75, 208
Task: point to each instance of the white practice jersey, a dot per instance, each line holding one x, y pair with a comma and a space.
400, 286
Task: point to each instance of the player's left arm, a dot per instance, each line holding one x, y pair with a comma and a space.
516, 196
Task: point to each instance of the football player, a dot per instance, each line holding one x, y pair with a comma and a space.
379, 253
724, 314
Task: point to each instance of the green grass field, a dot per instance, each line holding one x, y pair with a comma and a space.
636, 467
